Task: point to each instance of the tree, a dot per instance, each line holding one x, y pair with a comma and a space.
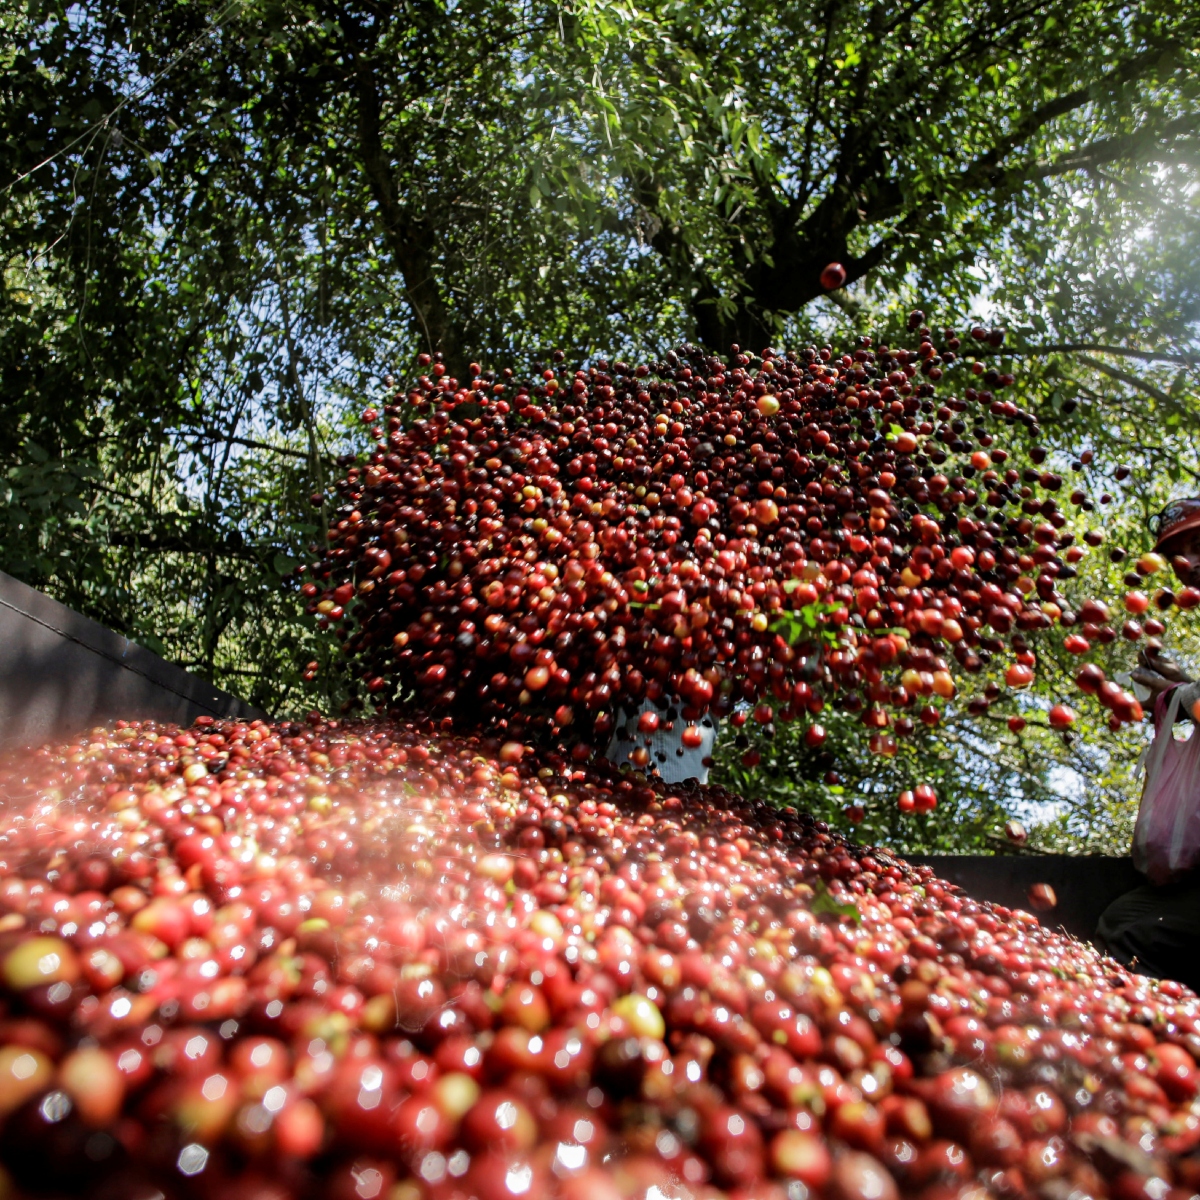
217, 224
758, 144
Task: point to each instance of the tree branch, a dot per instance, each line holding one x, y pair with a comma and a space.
190, 544
1137, 191
804, 190
981, 37
1124, 377
844, 301
1092, 155
210, 435
1078, 347
903, 17
410, 245
1060, 106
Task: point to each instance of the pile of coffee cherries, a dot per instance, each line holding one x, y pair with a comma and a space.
388, 961
789, 531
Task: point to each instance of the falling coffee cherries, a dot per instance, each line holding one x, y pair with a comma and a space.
456, 956
797, 529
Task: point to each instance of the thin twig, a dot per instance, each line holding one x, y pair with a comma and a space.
91, 129
1185, 360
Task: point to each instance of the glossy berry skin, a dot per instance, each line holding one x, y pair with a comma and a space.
406, 985
1015, 832
1061, 716
782, 531
833, 276
1018, 676
924, 798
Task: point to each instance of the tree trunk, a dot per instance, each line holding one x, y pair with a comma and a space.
772, 293
409, 239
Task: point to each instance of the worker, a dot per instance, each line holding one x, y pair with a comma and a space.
1155, 929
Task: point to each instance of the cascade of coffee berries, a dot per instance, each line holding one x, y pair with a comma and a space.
797, 529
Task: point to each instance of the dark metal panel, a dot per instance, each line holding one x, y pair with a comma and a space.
61, 672
1085, 885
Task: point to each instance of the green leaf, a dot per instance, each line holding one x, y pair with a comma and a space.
823, 902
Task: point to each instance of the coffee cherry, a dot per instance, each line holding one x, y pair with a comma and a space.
833, 276
1015, 832
40, 961
641, 1015
485, 569
732, 1142
1018, 676
96, 1085
648, 722
1061, 716
859, 1176
24, 1072
924, 798
299, 1129
425, 987
802, 1156
499, 1121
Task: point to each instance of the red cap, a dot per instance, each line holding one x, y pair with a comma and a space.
1178, 517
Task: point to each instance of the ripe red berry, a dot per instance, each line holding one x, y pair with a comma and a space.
1061, 716
648, 722
833, 276
484, 565
1018, 676
925, 798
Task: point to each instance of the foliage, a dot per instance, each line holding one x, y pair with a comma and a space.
826, 782
758, 144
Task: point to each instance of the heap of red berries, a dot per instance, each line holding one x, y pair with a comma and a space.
331, 961
790, 531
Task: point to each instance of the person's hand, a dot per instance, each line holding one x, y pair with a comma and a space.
1156, 672
1158, 663
1152, 681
